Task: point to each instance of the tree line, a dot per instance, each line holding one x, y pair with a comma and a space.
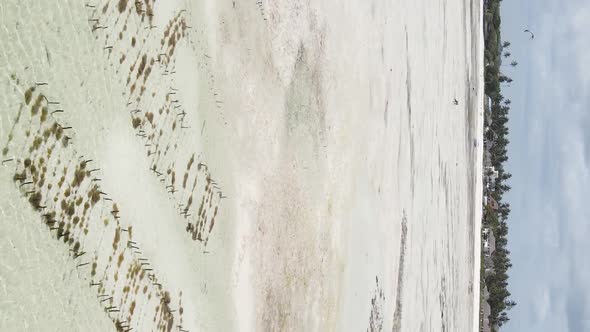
495, 50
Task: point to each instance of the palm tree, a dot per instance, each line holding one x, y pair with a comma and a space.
514, 63
507, 54
503, 319
509, 304
505, 44
507, 102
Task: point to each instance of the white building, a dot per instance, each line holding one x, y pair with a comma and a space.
489, 241
491, 175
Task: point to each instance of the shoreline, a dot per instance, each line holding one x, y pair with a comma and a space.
479, 176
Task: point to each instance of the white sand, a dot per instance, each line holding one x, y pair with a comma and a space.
324, 123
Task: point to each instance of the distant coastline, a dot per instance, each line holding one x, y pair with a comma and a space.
495, 297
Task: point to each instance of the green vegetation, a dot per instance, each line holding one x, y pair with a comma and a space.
495, 51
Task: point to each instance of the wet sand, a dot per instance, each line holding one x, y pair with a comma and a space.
220, 166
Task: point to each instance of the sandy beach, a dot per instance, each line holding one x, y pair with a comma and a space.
240, 166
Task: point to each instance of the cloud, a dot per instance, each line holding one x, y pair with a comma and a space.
577, 309
579, 48
551, 234
574, 171
543, 304
575, 180
550, 158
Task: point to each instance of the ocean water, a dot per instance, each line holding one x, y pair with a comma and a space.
218, 166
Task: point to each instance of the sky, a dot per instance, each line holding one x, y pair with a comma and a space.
549, 158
